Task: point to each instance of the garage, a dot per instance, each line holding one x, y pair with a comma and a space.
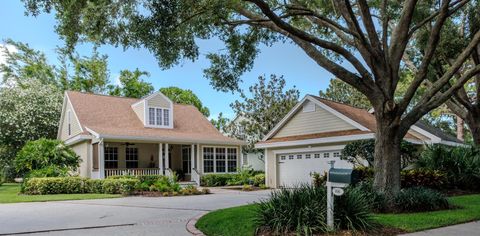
296, 168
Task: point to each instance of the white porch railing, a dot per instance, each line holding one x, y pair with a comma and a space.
135, 172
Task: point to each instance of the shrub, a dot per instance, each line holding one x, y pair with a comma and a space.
365, 173
94, 186
259, 179
206, 191
303, 210
123, 186
263, 186
419, 199
421, 177
213, 180
247, 188
319, 180
375, 199
55, 185
461, 165
49, 171
44, 153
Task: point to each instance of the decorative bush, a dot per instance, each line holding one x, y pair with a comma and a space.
461, 165
319, 180
68, 185
258, 179
365, 173
213, 180
247, 188
421, 177
44, 153
376, 200
49, 171
303, 210
55, 185
419, 199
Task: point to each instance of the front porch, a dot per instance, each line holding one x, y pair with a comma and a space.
132, 158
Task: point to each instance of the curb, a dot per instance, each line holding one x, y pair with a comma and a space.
191, 225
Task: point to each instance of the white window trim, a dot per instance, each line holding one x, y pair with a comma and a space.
215, 159
147, 117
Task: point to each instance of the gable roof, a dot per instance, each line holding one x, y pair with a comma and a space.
113, 118
363, 120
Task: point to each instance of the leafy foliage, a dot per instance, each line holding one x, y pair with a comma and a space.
303, 210
185, 96
72, 185
342, 92
358, 151
420, 199
131, 84
434, 179
461, 165
44, 153
269, 101
49, 171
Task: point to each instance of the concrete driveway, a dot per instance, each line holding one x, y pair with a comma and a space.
120, 216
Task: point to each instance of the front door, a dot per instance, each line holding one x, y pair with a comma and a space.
186, 161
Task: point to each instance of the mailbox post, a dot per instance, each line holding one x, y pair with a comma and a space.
337, 180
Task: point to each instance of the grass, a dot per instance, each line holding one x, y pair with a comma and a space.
226, 221
9, 193
469, 210
230, 221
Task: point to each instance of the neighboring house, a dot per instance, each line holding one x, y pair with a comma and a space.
316, 130
251, 159
148, 136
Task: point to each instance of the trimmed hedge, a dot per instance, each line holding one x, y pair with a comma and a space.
215, 180
69, 185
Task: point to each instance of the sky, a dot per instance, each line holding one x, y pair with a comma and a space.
281, 59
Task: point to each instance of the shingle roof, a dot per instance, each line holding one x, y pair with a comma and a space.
111, 116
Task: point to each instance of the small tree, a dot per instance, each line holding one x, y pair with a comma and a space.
43, 153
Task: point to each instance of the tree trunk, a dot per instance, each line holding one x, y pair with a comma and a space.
460, 131
387, 158
474, 125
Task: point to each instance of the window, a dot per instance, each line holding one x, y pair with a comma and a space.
186, 164
299, 156
326, 155
131, 157
308, 156
283, 158
69, 123
151, 116
317, 155
158, 116
166, 117
111, 157
290, 157
231, 159
336, 154
220, 159
208, 156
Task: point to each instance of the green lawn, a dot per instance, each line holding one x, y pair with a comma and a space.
9, 193
226, 221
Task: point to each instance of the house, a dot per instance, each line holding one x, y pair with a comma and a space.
316, 130
148, 136
250, 159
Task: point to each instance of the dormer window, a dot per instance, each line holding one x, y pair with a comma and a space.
158, 116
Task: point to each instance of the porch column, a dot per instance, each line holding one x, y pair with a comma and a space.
200, 170
160, 158
101, 160
192, 156
167, 162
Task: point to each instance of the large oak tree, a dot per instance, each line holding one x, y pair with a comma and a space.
359, 41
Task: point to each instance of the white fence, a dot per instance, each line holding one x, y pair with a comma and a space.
135, 172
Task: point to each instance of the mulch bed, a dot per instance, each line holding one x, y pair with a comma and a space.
379, 232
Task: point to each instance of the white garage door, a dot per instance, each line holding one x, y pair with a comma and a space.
296, 168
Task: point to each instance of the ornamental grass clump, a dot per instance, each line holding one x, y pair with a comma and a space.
303, 210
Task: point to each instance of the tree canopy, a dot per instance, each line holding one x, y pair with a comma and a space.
185, 96
340, 91
131, 84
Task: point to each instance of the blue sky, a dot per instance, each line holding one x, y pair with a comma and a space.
281, 59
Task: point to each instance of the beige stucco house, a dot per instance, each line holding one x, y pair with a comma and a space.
148, 136
315, 131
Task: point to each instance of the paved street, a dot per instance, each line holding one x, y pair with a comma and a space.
121, 216
467, 229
